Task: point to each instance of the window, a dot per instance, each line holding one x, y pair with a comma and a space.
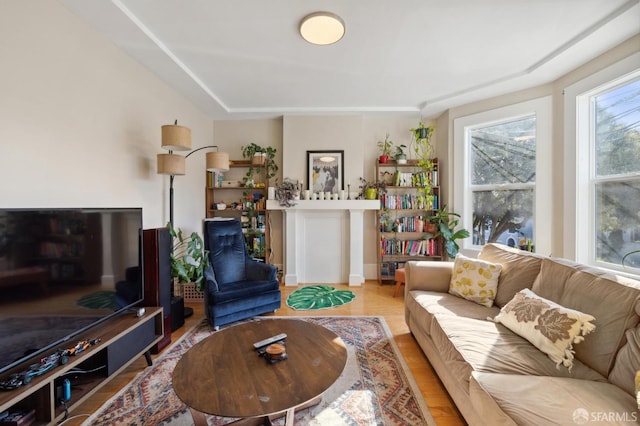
502, 179
615, 173
503, 176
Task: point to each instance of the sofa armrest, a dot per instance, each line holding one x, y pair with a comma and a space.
428, 276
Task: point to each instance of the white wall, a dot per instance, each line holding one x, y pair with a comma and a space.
81, 121
293, 136
560, 196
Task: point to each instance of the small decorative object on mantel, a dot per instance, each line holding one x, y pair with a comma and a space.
288, 192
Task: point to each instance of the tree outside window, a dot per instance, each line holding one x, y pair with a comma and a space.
616, 174
502, 182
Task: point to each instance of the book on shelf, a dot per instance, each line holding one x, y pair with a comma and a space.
399, 247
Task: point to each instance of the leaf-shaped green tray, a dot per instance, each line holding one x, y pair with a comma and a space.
318, 297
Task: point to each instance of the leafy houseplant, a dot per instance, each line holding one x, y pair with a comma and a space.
446, 223
385, 149
401, 157
252, 150
287, 193
189, 259
423, 150
422, 147
370, 190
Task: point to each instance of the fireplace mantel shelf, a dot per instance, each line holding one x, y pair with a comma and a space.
323, 221
327, 205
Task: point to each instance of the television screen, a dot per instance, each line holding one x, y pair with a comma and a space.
63, 271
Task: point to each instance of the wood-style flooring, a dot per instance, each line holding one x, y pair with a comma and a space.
371, 299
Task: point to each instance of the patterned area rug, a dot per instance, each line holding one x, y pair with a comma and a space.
312, 297
376, 387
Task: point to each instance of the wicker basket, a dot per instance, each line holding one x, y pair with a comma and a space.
188, 292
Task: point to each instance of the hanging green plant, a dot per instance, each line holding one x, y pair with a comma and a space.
318, 297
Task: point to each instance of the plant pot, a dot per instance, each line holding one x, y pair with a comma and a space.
259, 159
383, 159
422, 133
401, 159
371, 193
431, 228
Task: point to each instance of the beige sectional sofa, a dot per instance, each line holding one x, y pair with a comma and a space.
497, 377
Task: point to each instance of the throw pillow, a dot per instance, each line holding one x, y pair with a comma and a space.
475, 280
548, 326
638, 388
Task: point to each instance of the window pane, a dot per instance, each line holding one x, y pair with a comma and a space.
504, 153
617, 132
503, 216
618, 221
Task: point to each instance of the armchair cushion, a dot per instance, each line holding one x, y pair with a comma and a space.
242, 290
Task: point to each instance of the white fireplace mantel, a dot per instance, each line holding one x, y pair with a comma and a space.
300, 220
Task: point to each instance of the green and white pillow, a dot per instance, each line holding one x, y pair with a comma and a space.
475, 280
548, 326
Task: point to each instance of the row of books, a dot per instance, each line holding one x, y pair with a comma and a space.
419, 179
397, 247
406, 224
407, 202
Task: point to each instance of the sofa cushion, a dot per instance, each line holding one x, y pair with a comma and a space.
519, 269
474, 279
613, 300
548, 326
627, 362
527, 400
493, 348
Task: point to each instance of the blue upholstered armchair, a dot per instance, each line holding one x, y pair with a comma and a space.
236, 287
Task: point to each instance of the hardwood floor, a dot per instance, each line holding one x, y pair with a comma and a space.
371, 299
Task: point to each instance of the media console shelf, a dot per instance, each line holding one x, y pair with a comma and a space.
122, 339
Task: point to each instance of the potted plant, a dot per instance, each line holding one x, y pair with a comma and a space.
189, 259
422, 147
370, 190
260, 157
385, 149
446, 223
287, 193
401, 157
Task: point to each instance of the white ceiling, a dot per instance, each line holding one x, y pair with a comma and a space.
245, 58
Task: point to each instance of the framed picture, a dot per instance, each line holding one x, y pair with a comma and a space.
325, 171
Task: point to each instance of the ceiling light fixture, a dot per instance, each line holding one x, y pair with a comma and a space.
322, 28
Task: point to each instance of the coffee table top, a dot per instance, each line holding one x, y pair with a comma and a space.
223, 374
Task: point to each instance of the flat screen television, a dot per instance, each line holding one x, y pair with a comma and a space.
63, 271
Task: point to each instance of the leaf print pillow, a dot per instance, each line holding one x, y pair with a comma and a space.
548, 326
475, 280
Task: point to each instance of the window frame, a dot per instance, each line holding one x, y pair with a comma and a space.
462, 200
579, 159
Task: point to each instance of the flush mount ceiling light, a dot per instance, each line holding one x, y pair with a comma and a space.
322, 28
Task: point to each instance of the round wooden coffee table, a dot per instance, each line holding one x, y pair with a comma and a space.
223, 375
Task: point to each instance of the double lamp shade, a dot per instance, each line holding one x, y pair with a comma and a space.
178, 138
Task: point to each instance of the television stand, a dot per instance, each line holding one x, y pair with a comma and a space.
122, 339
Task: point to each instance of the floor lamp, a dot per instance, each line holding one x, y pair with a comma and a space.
178, 138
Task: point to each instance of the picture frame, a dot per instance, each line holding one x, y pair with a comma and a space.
325, 171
